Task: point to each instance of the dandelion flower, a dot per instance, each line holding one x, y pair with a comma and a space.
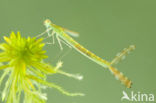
21, 59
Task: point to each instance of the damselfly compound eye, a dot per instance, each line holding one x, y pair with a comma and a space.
47, 22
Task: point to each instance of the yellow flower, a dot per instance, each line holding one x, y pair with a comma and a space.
22, 61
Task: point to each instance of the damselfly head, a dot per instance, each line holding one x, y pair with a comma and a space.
47, 22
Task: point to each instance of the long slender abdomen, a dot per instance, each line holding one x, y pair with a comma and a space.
92, 56
115, 72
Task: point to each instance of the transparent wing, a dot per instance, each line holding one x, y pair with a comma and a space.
71, 33
120, 56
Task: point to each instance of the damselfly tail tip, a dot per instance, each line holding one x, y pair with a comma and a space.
129, 84
124, 80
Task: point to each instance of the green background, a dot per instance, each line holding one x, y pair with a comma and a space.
105, 27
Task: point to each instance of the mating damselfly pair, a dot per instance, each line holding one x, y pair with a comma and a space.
64, 36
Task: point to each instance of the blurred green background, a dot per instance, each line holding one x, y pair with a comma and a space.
105, 27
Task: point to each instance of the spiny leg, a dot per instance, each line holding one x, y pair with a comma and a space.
47, 30
49, 35
53, 38
68, 45
61, 55
65, 54
59, 41
52, 34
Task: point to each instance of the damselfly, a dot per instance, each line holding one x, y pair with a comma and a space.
64, 36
